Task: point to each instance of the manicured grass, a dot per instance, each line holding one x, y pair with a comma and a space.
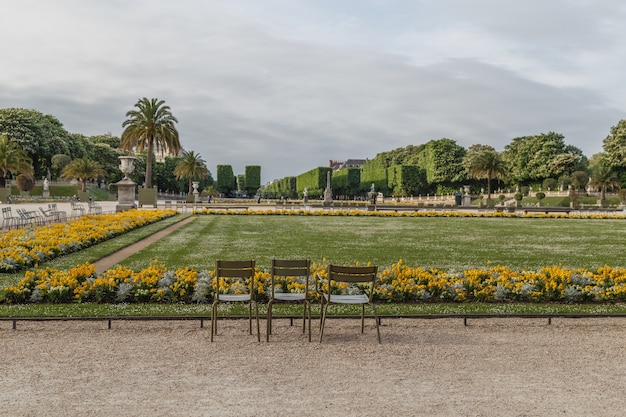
448, 243
435, 242
99, 310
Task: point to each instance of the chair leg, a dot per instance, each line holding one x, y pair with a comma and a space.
268, 332
258, 327
362, 318
323, 314
377, 325
250, 316
308, 307
214, 321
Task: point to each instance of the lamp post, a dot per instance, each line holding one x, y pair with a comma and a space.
126, 186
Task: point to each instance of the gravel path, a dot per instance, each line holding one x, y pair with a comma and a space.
492, 367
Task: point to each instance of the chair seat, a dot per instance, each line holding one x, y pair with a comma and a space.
348, 299
289, 296
235, 297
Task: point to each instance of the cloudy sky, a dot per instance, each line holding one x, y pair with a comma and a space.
290, 84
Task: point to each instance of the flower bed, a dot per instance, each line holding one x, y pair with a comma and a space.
400, 283
408, 213
22, 248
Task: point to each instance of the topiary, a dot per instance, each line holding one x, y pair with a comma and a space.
25, 182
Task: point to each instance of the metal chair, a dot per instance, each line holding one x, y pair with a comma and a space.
77, 209
30, 217
349, 285
60, 215
283, 270
8, 219
239, 277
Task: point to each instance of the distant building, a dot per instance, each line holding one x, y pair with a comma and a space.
350, 163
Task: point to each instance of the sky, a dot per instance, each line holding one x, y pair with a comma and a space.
291, 84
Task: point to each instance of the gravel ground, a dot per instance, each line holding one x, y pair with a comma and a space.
492, 367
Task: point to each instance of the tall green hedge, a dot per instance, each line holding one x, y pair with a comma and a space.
374, 172
314, 181
252, 179
285, 187
225, 179
407, 180
346, 182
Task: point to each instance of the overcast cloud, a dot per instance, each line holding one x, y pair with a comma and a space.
288, 84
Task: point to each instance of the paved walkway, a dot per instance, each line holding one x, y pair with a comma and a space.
116, 257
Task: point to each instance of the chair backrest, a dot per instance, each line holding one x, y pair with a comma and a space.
227, 270
352, 275
290, 268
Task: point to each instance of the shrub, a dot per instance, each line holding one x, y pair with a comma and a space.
25, 182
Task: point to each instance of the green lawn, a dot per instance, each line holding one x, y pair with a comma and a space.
435, 242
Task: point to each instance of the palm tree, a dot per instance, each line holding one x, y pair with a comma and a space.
604, 177
150, 125
13, 159
83, 169
488, 164
191, 166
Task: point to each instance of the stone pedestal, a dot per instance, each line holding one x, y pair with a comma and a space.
46, 193
125, 195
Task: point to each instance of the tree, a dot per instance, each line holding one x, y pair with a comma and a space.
614, 146
487, 164
225, 179
191, 166
83, 169
534, 158
41, 136
13, 159
443, 161
150, 125
60, 161
252, 179
603, 176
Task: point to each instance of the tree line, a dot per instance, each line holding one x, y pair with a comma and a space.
37, 145
541, 162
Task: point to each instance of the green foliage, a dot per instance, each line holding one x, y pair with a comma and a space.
346, 181
83, 169
614, 146
225, 179
375, 172
314, 181
13, 159
191, 166
252, 179
485, 162
25, 182
151, 125
534, 158
443, 161
285, 187
41, 136
407, 180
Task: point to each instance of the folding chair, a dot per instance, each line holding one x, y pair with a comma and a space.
58, 214
8, 219
355, 285
239, 274
282, 270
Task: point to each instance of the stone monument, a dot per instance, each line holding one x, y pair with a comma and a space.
328, 192
126, 186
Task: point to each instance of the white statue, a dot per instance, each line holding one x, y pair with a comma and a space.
45, 184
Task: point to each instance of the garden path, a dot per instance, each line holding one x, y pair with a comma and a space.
116, 257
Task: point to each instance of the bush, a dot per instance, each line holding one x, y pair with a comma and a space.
25, 182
